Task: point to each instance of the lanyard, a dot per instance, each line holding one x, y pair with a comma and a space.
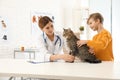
58, 39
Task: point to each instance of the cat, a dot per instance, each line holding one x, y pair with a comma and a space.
81, 52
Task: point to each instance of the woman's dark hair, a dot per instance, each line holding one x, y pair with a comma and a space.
96, 16
43, 21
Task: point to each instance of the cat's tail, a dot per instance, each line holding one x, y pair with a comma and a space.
93, 61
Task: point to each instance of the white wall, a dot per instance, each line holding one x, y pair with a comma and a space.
111, 20
103, 7
116, 28
18, 13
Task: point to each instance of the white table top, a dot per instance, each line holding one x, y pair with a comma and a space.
60, 70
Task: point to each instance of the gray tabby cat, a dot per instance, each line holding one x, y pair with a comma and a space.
81, 52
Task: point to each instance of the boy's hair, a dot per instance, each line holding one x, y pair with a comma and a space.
96, 16
43, 21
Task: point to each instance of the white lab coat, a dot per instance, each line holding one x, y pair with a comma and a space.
48, 47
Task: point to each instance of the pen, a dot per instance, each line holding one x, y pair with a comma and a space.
37, 62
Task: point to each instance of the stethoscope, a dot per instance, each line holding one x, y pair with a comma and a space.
58, 39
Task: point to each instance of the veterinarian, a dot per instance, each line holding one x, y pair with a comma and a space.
101, 44
51, 43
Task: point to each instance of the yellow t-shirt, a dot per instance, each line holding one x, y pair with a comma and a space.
102, 45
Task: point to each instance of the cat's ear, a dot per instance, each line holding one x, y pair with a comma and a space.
69, 29
63, 29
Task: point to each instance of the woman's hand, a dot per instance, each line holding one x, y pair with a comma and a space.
68, 58
81, 42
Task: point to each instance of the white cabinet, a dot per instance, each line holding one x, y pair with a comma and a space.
6, 50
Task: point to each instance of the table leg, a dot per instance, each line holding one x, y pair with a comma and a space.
14, 55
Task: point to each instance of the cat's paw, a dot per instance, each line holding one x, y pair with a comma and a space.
70, 61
